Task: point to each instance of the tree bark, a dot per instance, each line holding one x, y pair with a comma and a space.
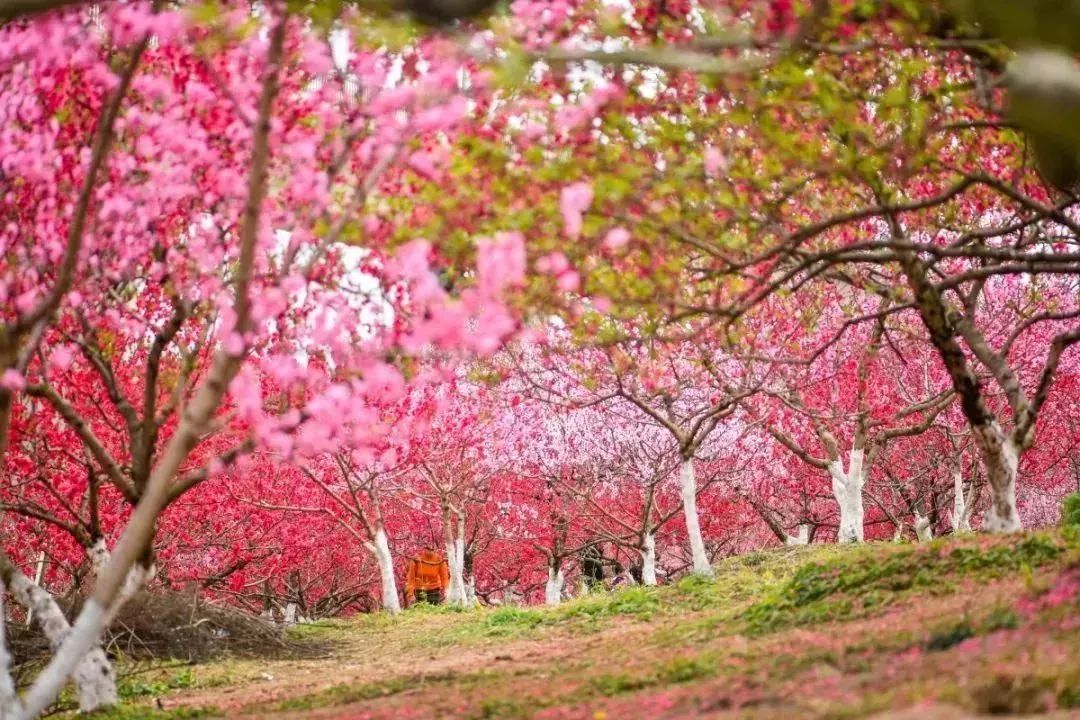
554, 588
963, 505
847, 487
455, 559
137, 578
923, 531
688, 487
380, 547
801, 536
9, 700
95, 680
648, 560
1001, 458
470, 591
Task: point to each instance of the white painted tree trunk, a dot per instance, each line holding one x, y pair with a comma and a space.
290, 614
455, 560
688, 488
380, 548
95, 681
801, 536
98, 555
9, 700
847, 487
923, 531
39, 578
1001, 460
899, 534
138, 577
961, 515
554, 588
470, 591
648, 561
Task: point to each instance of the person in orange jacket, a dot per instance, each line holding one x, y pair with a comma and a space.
428, 577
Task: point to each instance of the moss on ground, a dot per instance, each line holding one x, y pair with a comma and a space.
856, 585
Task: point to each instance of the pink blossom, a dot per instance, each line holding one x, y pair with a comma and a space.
616, 238
423, 163
317, 59
553, 263
61, 358
443, 116
12, 380
715, 162
234, 345
574, 200
500, 261
568, 281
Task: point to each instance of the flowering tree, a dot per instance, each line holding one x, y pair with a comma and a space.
199, 279
877, 414
629, 496
686, 389
455, 460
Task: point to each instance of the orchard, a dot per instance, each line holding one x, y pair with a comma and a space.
592, 300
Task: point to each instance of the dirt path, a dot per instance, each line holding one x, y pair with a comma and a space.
357, 660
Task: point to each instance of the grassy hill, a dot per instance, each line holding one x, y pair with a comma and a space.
971, 625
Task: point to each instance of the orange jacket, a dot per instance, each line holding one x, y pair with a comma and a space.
427, 571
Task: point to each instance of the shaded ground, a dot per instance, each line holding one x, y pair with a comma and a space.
953, 629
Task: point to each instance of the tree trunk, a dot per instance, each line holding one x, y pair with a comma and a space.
923, 531
137, 578
455, 560
961, 515
801, 537
380, 547
98, 555
648, 560
554, 588
9, 700
39, 578
1001, 459
847, 489
95, 681
688, 486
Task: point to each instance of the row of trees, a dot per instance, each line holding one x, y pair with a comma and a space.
226, 358
547, 450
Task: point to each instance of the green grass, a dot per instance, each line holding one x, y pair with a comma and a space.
319, 630
847, 587
1070, 511
346, 694
698, 630
141, 712
756, 593
142, 685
